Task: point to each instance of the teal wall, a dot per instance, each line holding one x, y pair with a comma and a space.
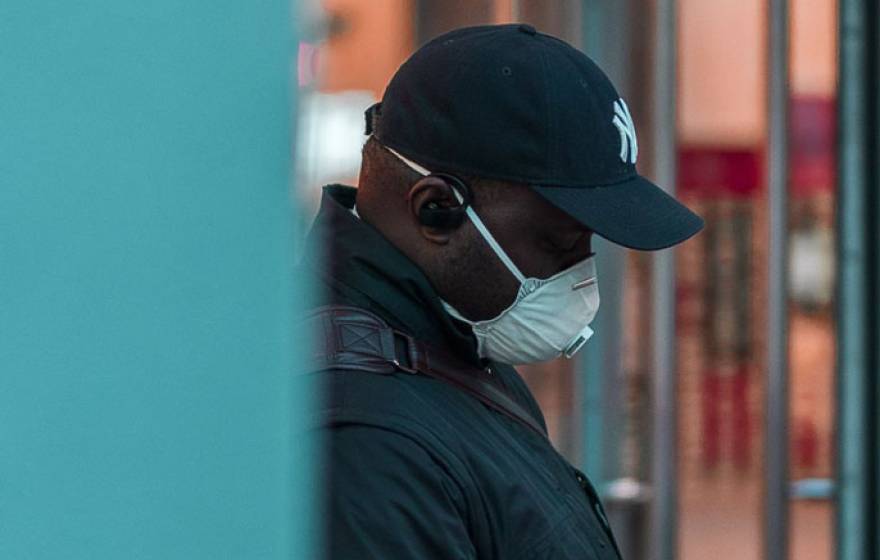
146, 285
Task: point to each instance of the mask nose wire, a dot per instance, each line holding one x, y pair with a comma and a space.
584, 283
478, 223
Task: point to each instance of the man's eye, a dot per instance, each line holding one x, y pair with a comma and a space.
559, 246
566, 248
565, 245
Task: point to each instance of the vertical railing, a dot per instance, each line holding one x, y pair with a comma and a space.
599, 365
854, 292
776, 493
664, 518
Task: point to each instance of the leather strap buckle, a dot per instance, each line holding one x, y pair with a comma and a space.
406, 350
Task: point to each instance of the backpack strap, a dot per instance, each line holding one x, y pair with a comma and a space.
352, 338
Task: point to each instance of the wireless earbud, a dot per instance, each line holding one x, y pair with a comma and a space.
434, 215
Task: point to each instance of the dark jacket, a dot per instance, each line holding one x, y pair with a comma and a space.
416, 468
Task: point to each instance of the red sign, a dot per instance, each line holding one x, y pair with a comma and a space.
710, 172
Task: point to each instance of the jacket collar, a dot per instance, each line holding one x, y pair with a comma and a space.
360, 267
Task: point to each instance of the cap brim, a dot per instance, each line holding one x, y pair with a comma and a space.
635, 213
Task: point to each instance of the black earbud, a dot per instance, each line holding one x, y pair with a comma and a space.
434, 215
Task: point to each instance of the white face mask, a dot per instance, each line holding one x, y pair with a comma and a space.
549, 317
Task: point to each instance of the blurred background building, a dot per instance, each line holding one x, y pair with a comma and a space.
715, 373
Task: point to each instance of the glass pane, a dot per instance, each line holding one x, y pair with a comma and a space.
811, 276
721, 278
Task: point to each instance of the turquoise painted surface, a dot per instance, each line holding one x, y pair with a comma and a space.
146, 285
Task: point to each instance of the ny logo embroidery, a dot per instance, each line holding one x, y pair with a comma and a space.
629, 146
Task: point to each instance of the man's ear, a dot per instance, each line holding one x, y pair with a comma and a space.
434, 208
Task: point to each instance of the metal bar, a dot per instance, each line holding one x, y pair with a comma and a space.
591, 380
852, 300
872, 136
777, 406
594, 17
601, 416
664, 514
590, 374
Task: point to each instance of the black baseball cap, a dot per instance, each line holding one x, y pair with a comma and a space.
509, 103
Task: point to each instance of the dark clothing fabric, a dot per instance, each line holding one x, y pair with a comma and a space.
416, 468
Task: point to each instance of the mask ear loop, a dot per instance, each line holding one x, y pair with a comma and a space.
478, 223
490, 239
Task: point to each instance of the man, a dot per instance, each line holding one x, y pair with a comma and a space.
494, 156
